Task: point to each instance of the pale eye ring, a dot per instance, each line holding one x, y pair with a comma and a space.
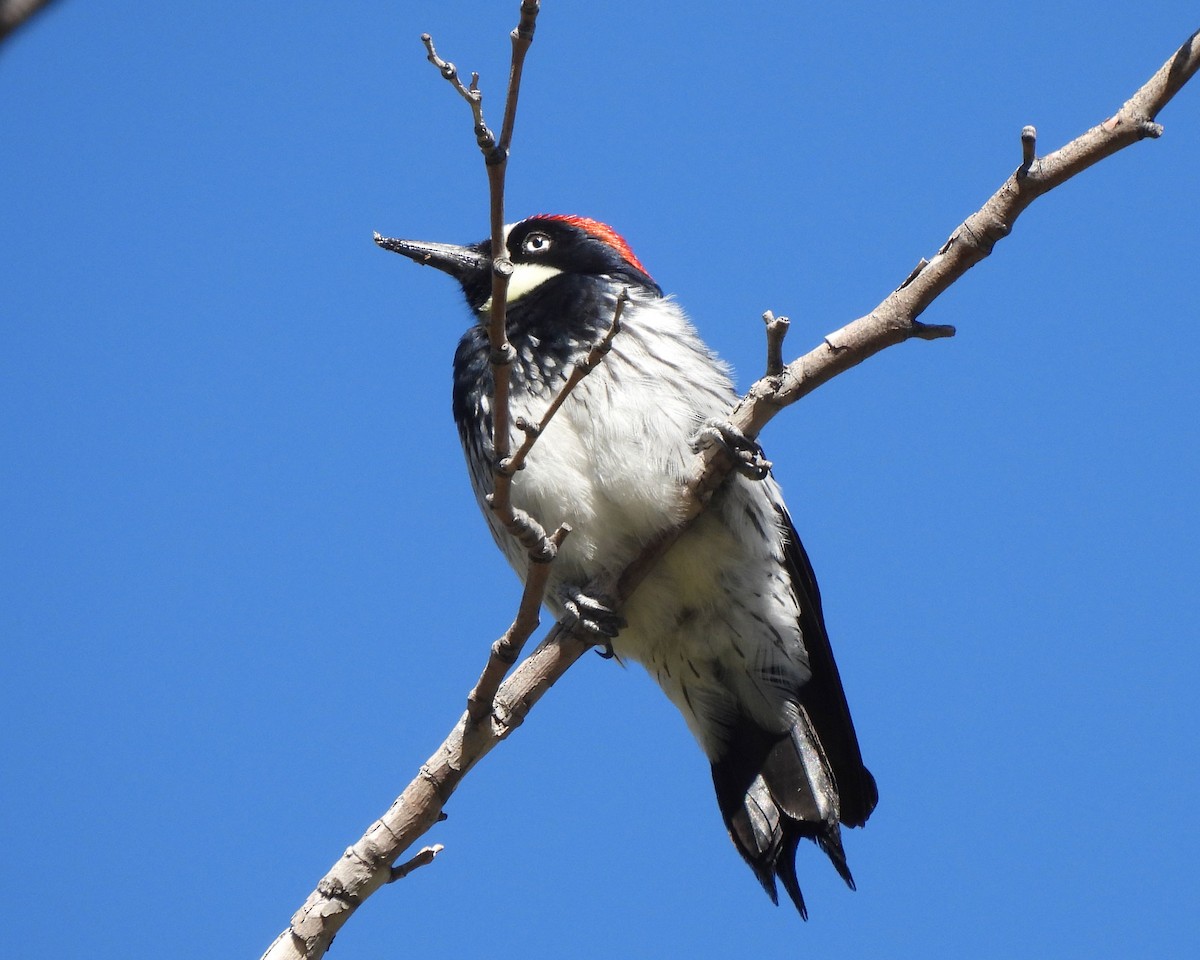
536, 242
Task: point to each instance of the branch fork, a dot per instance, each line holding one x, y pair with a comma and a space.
540, 547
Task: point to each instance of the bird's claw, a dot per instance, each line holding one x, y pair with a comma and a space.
596, 615
746, 453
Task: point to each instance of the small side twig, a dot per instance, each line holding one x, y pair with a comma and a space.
511, 465
484, 137
506, 650
1028, 149
425, 857
777, 328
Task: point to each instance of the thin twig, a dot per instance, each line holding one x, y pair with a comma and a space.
1028, 149
424, 858
522, 38
578, 371
895, 319
777, 328
526, 529
507, 649
502, 353
484, 138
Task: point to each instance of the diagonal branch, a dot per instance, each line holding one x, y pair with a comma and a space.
507, 649
13, 13
367, 865
895, 319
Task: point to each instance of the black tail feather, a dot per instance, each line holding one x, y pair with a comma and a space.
774, 790
831, 842
785, 868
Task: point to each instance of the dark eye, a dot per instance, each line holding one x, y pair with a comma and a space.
536, 242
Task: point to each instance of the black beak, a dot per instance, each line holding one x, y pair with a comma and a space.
464, 264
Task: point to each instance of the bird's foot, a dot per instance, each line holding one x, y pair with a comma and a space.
595, 614
747, 455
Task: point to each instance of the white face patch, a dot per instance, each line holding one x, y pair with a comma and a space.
526, 277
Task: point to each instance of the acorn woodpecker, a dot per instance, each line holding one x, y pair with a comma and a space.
729, 622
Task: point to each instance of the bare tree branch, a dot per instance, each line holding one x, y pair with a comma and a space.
505, 651
13, 13
540, 547
425, 857
777, 328
501, 350
367, 865
522, 37
527, 530
895, 319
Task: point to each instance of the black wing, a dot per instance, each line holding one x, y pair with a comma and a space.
823, 697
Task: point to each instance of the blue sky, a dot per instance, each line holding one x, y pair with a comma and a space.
245, 587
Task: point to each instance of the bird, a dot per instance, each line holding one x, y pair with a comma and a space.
729, 622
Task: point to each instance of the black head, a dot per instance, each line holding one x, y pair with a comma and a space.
541, 248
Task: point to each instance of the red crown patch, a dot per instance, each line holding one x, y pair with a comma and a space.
601, 231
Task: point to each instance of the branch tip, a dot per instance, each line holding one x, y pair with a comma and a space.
932, 331
777, 328
527, 428
1028, 147
502, 355
545, 552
